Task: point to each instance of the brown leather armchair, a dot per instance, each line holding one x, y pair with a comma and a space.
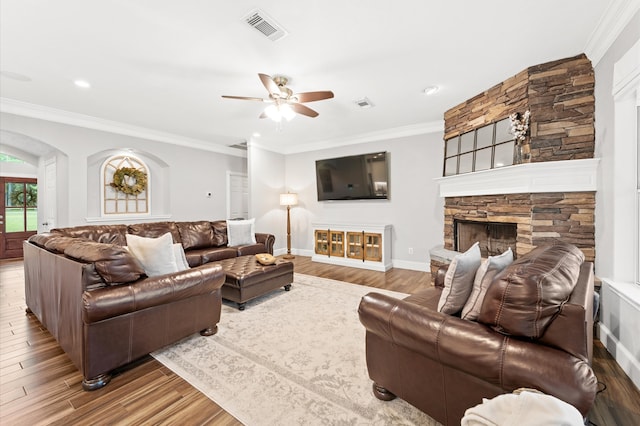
443, 364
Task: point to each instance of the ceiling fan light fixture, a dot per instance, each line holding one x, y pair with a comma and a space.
287, 112
278, 112
273, 113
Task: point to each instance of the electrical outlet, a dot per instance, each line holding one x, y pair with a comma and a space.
410, 250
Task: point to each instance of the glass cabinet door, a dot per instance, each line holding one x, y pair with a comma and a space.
322, 242
373, 247
337, 243
354, 245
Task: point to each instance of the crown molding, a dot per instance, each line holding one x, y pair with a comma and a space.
386, 134
611, 24
12, 106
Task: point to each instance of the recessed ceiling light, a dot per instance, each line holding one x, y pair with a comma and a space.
82, 83
15, 76
431, 90
256, 135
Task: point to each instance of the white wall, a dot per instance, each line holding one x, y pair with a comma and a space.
190, 174
22, 170
615, 207
414, 208
266, 182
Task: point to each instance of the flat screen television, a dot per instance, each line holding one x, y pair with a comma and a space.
357, 177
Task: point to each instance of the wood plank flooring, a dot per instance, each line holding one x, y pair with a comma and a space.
40, 386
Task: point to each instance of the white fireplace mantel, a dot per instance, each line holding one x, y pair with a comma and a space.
548, 176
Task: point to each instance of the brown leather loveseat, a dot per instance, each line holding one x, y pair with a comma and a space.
534, 330
93, 296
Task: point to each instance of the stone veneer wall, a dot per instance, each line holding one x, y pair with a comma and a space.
560, 96
540, 217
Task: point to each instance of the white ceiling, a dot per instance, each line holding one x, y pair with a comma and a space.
164, 64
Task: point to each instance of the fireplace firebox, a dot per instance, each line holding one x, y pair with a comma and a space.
494, 237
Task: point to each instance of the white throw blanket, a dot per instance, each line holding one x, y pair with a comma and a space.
522, 408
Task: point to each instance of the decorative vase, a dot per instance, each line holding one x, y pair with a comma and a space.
522, 153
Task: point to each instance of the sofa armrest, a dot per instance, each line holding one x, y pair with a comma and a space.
113, 301
439, 278
267, 239
479, 351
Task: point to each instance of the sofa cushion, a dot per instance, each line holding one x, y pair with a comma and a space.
525, 297
155, 254
484, 277
251, 249
241, 232
113, 262
59, 243
196, 234
155, 230
41, 239
219, 233
214, 254
108, 234
459, 280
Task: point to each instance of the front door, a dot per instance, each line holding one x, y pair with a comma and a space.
18, 214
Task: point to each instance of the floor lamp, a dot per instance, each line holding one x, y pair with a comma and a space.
288, 200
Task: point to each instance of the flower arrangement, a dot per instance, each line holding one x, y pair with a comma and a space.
520, 125
129, 181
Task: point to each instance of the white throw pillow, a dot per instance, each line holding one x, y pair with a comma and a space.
155, 254
484, 277
241, 232
181, 259
458, 281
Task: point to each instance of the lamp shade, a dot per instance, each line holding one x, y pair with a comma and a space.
288, 199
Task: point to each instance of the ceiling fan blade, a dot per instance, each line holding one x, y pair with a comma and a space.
244, 98
271, 85
304, 110
313, 96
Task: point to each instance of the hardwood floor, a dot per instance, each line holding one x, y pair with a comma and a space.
40, 386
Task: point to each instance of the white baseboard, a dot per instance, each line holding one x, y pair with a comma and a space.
295, 252
627, 361
400, 264
414, 266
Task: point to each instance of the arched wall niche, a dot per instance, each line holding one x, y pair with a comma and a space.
159, 174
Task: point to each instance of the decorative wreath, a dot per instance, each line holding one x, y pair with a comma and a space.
27, 198
120, 180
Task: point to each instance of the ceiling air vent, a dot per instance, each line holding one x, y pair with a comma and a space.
364, 103
241, 145
265, 24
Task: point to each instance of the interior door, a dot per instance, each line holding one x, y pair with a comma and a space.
19, 211
238, 196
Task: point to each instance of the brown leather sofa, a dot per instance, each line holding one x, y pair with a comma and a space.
94, 298
443, 364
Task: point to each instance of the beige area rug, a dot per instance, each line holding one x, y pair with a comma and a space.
291, 358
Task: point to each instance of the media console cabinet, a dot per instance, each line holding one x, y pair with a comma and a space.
355, 245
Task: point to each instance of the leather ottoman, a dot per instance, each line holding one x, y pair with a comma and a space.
247, 278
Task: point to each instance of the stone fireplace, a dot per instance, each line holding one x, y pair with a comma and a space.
553, 196
545, 201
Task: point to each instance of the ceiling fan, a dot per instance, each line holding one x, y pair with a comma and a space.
284, 103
